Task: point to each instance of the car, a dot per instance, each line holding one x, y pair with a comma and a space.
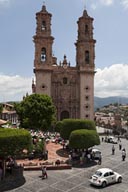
96, 154
105, 176
112, 140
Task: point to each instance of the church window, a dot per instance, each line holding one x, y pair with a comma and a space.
87, 107
65, 80
87, 116
86, 28
87, 97
87, 88
87, 57
44, 86
43, 54
43, 25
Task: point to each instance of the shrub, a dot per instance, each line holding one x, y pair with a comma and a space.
69, 125
58, 126
83, 139
13, 141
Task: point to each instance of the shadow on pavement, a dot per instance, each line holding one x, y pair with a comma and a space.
84, 165
11, 182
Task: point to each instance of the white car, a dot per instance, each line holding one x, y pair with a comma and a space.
104, 177
112, 139
96, 154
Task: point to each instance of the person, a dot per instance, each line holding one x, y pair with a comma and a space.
123, 154
44, 172
100, 159
10, 164
102, 139
113, 150
120, 146
1, 173
57, 162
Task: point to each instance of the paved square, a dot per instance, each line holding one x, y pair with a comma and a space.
76, 179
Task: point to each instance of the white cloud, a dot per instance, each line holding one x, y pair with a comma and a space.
112, 81
4, 2
13, 88
107, 2
93, 6
124, 3
96, 4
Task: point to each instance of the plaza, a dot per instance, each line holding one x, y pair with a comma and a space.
75, 179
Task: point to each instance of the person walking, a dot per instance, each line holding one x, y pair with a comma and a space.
44, 172
100, 159
123, 154
113, 150
120, 146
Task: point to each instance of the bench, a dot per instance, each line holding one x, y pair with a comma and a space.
49, 167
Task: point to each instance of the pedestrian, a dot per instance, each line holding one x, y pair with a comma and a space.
120, 146
100, 159
44, 172
123, 154
1, 173
113, 150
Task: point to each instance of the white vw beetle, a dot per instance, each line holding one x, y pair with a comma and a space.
104, 177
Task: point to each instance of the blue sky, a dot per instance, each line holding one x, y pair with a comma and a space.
18, 25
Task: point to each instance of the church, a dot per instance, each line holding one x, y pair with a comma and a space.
70, 87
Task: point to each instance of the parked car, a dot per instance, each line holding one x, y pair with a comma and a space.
105, 176
96, 154
111, 139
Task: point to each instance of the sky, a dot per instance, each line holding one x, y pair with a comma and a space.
18, 26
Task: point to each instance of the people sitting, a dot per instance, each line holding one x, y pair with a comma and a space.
57, 162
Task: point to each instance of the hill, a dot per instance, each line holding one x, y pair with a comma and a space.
100, 102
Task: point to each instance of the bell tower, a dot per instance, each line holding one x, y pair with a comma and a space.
85, 55
43, 52
70, 87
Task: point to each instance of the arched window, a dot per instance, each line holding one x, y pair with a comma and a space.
87, 57
65, 80
87, 97
86, 28
87, 116
64, 115
43, 54
43, 25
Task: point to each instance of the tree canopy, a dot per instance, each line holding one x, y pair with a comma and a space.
69, 125
14, 141
83, 139
36, 112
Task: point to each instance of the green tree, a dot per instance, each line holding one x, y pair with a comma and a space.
69, 125
36, 112
58, 126
83, 139
13, 142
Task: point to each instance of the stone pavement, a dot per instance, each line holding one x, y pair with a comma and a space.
55, 151
74, 180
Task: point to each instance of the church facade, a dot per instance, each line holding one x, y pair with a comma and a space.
71, 87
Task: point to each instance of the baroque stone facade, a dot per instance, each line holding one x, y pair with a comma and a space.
71, 87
